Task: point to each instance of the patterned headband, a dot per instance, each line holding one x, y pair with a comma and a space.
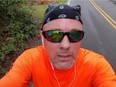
62, 11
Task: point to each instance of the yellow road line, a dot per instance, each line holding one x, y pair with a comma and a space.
104, 14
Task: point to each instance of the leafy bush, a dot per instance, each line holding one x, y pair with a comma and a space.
17, 24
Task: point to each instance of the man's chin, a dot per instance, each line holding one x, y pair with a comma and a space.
64, 66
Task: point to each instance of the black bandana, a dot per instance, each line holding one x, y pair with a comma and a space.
62, 11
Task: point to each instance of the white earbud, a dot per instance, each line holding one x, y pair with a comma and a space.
52, 66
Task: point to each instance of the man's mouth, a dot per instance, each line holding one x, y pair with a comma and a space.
64, 57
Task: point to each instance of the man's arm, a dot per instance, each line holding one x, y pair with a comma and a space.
104, 75
20, 74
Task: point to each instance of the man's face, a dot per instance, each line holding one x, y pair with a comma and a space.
63, 54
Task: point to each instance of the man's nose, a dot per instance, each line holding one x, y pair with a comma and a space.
65, 43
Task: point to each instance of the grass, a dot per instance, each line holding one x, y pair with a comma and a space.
61, 1
40, 9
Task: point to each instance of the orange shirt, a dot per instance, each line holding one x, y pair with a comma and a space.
92, 70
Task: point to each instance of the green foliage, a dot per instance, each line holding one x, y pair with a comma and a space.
17, 24
6, 49
40, 9
60, 1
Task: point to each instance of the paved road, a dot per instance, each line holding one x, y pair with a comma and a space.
100, 33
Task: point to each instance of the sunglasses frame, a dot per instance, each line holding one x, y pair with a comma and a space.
81, 33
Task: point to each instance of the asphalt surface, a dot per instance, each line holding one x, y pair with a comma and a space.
100, 35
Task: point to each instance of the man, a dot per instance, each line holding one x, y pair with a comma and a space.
60, 62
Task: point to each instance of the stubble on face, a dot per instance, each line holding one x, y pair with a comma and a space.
63, 60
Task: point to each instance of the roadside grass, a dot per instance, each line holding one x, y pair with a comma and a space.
61, 1
40, 9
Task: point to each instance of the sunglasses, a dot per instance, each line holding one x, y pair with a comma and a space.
56, 36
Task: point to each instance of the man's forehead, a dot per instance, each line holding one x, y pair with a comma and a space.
63, 21
63, 24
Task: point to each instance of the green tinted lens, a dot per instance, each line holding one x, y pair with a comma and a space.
74, 36
55, 36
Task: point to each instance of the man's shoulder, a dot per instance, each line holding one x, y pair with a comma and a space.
35, 50
33, 53
90, 53
90, 57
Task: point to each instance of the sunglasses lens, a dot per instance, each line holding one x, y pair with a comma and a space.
53, 35
76, 36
